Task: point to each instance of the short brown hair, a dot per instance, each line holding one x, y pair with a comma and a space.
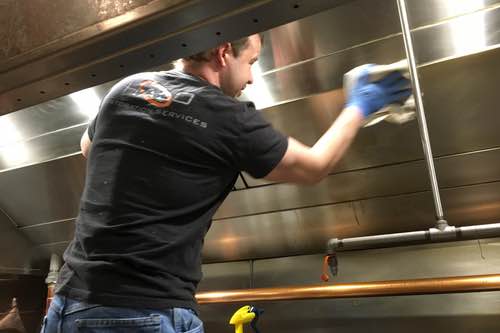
237, 46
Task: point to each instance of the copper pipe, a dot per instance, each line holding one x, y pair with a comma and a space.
456, 284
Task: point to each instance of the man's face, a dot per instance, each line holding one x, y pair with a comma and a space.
237, 74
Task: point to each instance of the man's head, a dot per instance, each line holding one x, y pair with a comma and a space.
227, 66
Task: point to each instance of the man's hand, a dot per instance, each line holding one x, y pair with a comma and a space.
370, 97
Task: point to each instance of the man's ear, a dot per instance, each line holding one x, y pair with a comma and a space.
223, 51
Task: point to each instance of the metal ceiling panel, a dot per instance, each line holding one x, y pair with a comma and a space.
135, 41
42, 148
55, 20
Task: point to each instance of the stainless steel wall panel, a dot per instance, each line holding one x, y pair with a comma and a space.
395, 214
460, 98
51, 191
475, 204
15, 247
424, 12
434, 313
232, 275
460, 313
242, 238
412, 262
304, 231
307, 119
469, 168
461, 36
353, 23
348, 186
322, 74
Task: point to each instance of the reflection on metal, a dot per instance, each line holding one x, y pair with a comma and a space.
424, 12
87, 102
459, 284
462, 36
424, 134
12, 150
432, 235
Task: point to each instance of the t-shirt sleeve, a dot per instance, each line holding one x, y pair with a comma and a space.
260, 146
91, 128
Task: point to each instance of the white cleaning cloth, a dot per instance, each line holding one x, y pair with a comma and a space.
393, 113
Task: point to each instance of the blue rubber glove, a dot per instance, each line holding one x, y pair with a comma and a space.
370, 97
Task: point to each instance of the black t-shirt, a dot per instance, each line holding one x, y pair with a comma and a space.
166, 151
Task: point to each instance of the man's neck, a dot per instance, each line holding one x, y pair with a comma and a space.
204, 72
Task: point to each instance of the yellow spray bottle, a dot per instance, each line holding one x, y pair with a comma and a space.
242, 316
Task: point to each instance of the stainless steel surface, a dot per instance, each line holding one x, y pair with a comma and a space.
424, 12
24, 33
306, 230
328, 32
321, 75
131, 42
379, 187
15, 248
461, 36
463, 313
50, 190
422, 122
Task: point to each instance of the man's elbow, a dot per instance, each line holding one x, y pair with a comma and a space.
317, 173
85, 144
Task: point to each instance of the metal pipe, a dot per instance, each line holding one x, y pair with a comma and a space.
432, 235
458, 284
424, 135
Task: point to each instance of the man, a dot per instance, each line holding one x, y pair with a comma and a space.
163, 152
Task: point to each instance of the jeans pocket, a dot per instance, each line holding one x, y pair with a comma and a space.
186, 321
151, 324
196, 328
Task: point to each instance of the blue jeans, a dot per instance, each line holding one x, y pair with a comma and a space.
67, 315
